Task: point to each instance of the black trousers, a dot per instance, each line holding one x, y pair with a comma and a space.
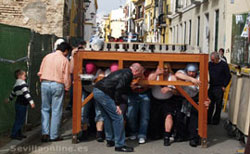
158, 111
216, 95
193, 124
187, 127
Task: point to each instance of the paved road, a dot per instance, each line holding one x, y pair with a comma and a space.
218, 143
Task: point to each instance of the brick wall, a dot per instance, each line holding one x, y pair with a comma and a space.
43, 16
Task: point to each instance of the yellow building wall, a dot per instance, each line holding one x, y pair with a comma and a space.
149, 9
107, 29
167, 29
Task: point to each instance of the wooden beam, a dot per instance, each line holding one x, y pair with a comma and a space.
87, 99
136, 56
183, 93
165, 83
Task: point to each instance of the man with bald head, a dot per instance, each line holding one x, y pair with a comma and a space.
220, 76
108, 95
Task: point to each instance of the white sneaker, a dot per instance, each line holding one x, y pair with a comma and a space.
141, 141
132, 137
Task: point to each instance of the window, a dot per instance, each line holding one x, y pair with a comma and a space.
190, 32
206, 34
216, 31
173, 35
177, 34
198, 31
181, 34
185, 29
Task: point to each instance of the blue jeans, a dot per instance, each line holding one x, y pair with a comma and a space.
113, 122
86, 110
138, 106
52, 99
19, 119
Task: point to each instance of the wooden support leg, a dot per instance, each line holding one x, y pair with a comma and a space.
74, 139
204, 142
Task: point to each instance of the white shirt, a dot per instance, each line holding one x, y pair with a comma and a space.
191, 90
156, 90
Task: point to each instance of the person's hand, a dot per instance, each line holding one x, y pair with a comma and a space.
74, 51
207, 103
195, 81
223, 88
66, 93
159, 71
6, 100
118, 110
164, 90
133, 86
32, 105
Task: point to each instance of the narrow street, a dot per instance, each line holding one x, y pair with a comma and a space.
68, 66
218, 143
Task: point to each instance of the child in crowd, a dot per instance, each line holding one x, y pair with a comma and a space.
21, 91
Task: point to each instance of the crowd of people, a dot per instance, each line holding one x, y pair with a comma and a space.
121, 103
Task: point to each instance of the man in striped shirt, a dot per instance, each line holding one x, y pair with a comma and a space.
21, 91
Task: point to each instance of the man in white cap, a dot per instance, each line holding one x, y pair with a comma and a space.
58, 42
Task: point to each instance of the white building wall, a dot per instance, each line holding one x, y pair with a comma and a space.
207, 33
117, 22
90, 21
191, 12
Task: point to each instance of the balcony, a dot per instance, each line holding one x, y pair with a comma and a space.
179, 9
161, 22
197, 2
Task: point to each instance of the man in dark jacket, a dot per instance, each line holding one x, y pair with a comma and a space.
108, 95
220, 76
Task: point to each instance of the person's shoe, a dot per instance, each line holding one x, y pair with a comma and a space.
23, 136
45, 138
178, 139
68, 108
84, 136
166, 141
142, 141
56, 139
99, 136
124, 149
193, 143
110, 143
215, 122
16, 138
132, 137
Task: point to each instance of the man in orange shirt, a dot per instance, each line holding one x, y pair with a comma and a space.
55, 77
